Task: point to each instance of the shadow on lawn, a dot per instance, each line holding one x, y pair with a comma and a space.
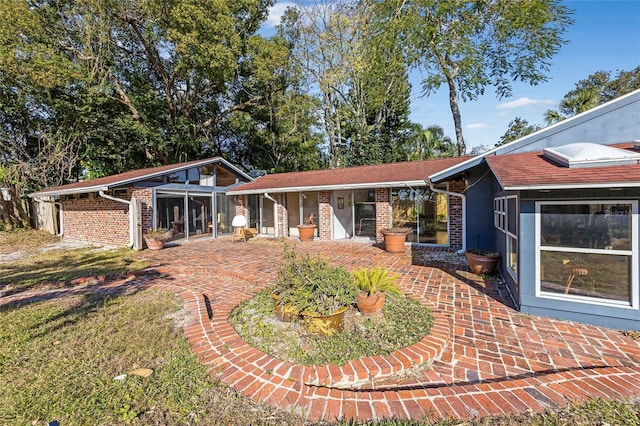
91, 298
63, 269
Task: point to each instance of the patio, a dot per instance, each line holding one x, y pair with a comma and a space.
483, 357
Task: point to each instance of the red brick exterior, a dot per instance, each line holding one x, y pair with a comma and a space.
146, 197
102, 221
106, 222
325, 212
455, 215
281, 215
383, 212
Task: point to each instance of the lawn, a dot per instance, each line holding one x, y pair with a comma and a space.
60, 360
29, 266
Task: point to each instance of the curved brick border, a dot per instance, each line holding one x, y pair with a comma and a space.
496, 360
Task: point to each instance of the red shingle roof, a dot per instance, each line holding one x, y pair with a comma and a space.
123, 178
533, 170
380, 174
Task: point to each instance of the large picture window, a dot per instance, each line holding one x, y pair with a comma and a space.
586, 251
424, 211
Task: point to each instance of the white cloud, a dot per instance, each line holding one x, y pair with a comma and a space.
524, 102
275, 13
478, 126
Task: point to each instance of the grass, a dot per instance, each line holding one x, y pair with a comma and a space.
404, 322
35, 266
58, 360
24, 240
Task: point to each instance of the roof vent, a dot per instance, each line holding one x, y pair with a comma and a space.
587, 154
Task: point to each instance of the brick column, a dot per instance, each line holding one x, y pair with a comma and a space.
281, 215
325, 213
455, 214
383, 212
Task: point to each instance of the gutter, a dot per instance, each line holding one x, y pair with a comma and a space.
345, 186
131, 218
464, 211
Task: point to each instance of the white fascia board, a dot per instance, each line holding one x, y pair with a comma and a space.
180, 168
607, 185
330, 187
516, 145
73, 191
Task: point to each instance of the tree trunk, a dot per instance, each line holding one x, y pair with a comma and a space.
457, 120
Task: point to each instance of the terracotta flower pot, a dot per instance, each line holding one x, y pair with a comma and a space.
394, 240
370, 305
306, 232
286, 312
482, 263
324, 325
154, 244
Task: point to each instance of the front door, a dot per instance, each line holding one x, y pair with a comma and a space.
343, 215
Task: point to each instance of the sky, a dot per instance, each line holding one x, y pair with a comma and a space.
605, 36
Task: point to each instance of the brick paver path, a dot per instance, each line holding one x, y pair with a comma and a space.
483, 357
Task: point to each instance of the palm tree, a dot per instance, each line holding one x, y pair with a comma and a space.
429, 143
572, 104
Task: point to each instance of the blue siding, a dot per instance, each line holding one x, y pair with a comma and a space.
608, 316
480, 229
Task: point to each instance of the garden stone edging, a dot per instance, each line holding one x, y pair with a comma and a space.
354, 374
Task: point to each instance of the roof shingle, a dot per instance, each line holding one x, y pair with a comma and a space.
533, 170
410, 171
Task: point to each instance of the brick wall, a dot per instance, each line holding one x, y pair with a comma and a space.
325, 212
96, 220
281, 215
104, 222
455, 215
383, 212
145, 196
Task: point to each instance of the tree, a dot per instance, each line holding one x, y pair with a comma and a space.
428, 143
362, 81
518, 128
471, 45
572, 104
595, 90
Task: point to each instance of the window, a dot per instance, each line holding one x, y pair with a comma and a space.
586, 251
505, 218
424, 211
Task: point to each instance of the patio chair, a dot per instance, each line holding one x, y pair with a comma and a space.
238, 223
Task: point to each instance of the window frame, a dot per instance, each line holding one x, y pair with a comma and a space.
501, 222
634, 300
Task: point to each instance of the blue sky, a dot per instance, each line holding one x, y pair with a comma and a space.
604, 37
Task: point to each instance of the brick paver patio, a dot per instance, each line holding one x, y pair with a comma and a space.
482, 358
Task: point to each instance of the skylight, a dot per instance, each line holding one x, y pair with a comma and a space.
587, 154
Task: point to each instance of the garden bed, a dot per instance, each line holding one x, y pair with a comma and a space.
403, 322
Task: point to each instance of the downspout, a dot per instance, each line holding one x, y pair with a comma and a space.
275, 218
131, 218
464, 211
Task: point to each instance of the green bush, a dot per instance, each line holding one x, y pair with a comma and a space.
312, 284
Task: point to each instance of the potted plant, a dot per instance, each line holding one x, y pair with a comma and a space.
371, 285
482, 261
156, 237
394, 239
307, 229
318, 291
